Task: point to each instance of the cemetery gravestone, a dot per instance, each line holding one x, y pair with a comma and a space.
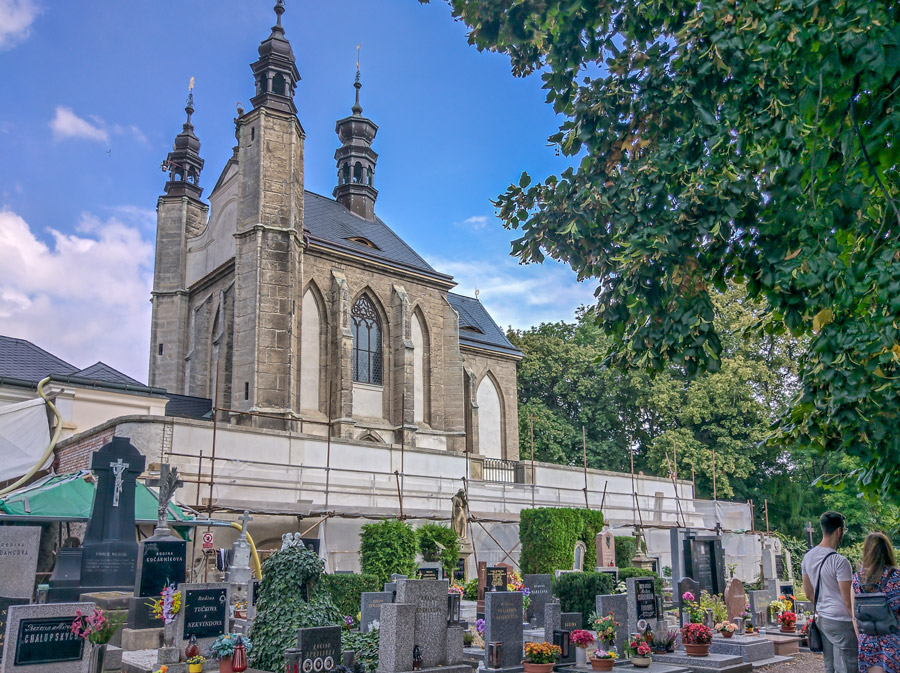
394, 650
759, 603
18, 564
735, 598
253, 594
428, 572
705, 562
551, 620
539, 587
503, 624
496, 578
617, 605
370, 607
568, 622
686, 585
785, 589
320, 648
430, 632
605, 549
204, 613
641, 602
40, 638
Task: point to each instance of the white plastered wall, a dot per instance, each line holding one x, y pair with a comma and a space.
310, 362
490, 419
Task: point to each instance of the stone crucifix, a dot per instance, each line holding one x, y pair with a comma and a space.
118, 468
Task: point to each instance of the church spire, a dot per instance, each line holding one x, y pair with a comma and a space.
183, 163
356, 159
275, 73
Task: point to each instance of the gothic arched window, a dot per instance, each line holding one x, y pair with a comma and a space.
278, 84
357, 173
367, 365
346, 178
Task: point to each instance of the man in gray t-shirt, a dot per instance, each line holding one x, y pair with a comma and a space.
834, 615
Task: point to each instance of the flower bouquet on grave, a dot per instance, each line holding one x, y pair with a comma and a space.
660, 643
788, 621
696, 639
167, 605
97, 629
603, 660
540, 657
727, 629
639, 652
692, 606
349, 622
671, 639
581, 639
605, 626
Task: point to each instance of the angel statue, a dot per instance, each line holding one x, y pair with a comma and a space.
460, 516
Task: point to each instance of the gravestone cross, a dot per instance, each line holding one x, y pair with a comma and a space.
809, 535
239, 572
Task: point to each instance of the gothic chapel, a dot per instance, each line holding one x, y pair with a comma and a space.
310, 311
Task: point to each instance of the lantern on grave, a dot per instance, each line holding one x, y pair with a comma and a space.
495, 654
239, 658
561, 640
417, 658
292, 660
454, 603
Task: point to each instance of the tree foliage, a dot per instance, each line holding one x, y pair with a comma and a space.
439, 543
745, 142
388, 547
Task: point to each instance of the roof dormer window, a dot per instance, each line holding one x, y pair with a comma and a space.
364, 241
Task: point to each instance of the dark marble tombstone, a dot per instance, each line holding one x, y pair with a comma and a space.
686, 584
320, 648
539, 587
162, 562
203, 614
5, 605
428, 573
496, 578
568, 622
503, 624
705, 562
109, 552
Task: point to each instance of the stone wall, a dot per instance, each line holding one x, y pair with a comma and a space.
480, 364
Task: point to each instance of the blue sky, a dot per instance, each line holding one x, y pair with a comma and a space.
94, 94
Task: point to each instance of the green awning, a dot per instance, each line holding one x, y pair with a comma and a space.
71, 496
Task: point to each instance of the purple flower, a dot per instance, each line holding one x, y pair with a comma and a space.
526, 591
479, 626
348, 620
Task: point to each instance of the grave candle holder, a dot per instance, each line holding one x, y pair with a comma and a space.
561, 640
495, 654
454, 604
292, 660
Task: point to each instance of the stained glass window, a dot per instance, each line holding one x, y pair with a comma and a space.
367, 360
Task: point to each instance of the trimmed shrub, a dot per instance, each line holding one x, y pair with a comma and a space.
387, 547
625, 550
549, 535
280, 608
625, 573
578, 591
431, 535
365, 645
345, 590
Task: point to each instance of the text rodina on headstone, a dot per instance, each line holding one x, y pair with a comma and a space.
203, 614
735, 598
370, 607
18, 564
430, 632
503, 624
568, 622
320, 647
617, 605
641, 602
539, 587
40, 638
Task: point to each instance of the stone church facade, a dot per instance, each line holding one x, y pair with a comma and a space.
309, 312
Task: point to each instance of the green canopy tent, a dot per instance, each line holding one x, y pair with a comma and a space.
70, 497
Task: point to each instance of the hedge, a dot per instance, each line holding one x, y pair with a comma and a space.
346, 590
625, 550
388, 547
577, 592
549, 534
431, 535
625, 573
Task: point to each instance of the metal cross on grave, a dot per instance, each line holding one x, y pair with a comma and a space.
167, 482
245, 519
809, 534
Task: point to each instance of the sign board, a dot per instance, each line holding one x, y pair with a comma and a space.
428, 573
207, 541
47, 640
496, 578
645, 599
205, 613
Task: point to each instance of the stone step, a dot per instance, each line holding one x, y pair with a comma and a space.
712, 663
772, 661
749, 648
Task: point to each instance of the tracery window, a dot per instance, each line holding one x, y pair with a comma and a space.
367, 354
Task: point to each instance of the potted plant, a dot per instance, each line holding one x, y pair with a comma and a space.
581, 639
749, 628
240, 610
605, 626
639, 652
603, 660
97, 629
195, 663
540, 657
788, 621
696, 639
222, 649
660, 643
727, 629
671, 639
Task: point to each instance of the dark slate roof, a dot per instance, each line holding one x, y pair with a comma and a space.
100, 371
21, 359
473, 314
187, 406
329, 222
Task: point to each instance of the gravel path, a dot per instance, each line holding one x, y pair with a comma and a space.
805, 662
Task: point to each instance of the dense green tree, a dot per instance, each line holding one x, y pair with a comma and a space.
716, 142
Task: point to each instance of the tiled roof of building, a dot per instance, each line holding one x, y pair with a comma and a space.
482, 331
100, 371
328, 221
21, 359
187, 406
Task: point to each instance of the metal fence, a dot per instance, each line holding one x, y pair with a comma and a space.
496, 469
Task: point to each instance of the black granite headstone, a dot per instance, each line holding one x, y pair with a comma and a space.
645, 599
4, 613
428, 573
47, 640
205, 613
311, 543
569, 622
254, 591
320, 648
496, 578
162, 562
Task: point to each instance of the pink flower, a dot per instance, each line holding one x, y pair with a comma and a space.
688, 596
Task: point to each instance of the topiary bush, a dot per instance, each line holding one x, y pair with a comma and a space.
345, 590
430, 535
577, 592
625, 573
281, 609
387, 547
625, 550
549, 535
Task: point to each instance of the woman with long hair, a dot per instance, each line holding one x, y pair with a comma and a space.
878, 573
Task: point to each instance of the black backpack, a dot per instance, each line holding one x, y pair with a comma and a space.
873, 613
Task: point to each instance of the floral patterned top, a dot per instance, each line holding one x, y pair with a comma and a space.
881, 651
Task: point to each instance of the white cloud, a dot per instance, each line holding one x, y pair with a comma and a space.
66, 124
16, 17
475, 222
520, 295
85, 297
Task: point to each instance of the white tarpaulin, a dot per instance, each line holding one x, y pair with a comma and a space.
24, 436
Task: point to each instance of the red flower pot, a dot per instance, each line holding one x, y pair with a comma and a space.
789, 629
225, 665
602, 664
727, 634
